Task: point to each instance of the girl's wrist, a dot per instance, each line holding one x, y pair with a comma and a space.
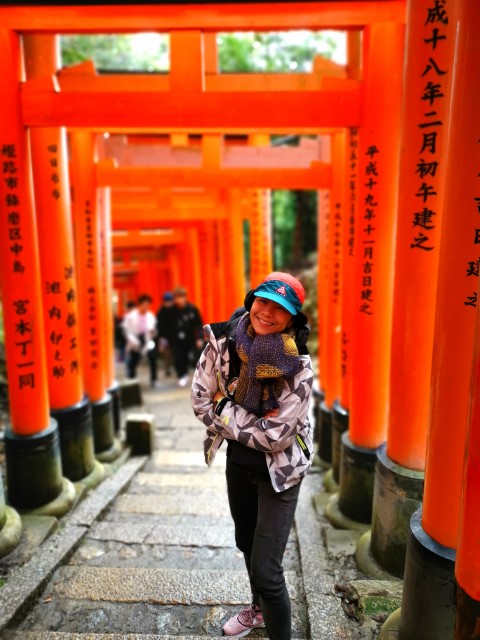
219, 404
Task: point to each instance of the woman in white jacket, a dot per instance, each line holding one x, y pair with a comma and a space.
252, 387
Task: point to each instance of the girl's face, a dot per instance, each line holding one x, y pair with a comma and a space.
267, 317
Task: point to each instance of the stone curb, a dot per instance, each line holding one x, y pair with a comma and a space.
26, 582
323, 607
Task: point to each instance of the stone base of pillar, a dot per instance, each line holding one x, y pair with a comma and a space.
357, 474
112, 453
428, 604
95, 477
340, 419
102, 416
60, 505
140, 433
318, 397
130, 394
329, 483
114, 391
34, 470
75, 428
398, 493
339, 519
367, 563
468, 615
325, 435
10, 526
390, 628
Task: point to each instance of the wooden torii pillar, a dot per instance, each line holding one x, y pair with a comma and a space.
443, 536
398, 490
374, 227
34, 468
68, 403
93, 311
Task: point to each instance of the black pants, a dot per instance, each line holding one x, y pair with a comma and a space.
263, 519
134, 357
181, 358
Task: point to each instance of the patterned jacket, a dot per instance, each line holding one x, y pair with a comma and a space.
288, 456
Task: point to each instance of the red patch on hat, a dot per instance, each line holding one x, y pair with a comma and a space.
291, 281
282, 291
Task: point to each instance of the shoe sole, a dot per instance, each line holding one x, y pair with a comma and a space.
247, 631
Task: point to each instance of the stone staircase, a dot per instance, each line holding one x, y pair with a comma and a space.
160, 563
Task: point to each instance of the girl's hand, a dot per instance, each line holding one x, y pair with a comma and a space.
273, 413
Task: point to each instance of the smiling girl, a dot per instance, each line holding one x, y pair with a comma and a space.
252, 388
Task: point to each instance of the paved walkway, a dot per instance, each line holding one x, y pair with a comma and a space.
149, 554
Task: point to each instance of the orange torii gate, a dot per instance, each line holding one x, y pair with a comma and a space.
194, 97
148, 204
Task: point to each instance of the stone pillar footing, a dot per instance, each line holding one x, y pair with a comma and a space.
325, 434
95, 477
114, 392
59, 506
102, 416
140, 430
130, 394
111, 454
340, 419
391, 626
468, 615
34, 467
329, 483
75, 429
428, 605
339, 520
366, 562
357, 473
397, 494
11, 532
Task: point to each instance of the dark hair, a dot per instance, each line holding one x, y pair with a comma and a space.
144, 298
131, 304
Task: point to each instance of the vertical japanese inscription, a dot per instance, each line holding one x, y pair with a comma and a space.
472, 267
368, 234
432, 99
21, 306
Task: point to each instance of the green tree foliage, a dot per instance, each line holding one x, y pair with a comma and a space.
293, 212
291, 51
138, 52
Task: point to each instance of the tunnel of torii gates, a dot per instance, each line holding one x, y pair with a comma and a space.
393, 150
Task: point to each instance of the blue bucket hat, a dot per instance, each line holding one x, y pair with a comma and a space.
281, 293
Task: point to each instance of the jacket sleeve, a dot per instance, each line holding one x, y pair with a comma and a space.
275, 433
206, 381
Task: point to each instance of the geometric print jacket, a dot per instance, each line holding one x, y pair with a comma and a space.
288, 456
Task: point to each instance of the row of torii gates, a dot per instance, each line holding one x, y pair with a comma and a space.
396, 162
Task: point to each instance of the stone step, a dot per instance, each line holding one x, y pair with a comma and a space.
158, 586
172, 519
188, 492
138, 533
55, 635
172, 504
162, 459
200, 480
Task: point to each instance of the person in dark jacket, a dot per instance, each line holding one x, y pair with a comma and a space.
252, 388
184, 332
165, 330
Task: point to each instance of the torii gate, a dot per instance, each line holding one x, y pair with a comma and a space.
195, 98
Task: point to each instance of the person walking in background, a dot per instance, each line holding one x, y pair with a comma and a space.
120, 339
186, 335
140, 330
252, 387
165, 327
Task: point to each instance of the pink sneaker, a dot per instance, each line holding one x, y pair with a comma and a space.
244, 622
